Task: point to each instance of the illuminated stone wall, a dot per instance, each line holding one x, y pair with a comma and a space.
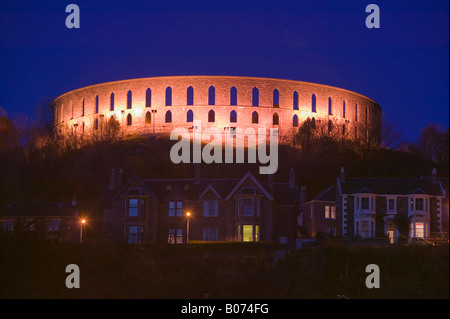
69, 116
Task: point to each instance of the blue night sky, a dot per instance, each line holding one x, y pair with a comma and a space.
404, 65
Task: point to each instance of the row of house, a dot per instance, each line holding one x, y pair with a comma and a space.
247, 209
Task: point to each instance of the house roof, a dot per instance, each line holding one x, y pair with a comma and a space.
390, 186
39, 210
191, 189
328, 195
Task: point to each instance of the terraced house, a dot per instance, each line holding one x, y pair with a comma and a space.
201, 209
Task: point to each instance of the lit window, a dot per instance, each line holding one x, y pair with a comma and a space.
175, 236
327, 211
210, 208
247, 233
148, 118
333, 212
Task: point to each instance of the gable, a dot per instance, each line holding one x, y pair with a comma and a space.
249, 181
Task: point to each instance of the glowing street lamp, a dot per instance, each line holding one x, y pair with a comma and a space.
188, 215
83, 221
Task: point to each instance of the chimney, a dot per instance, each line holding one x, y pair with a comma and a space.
197, 173
303, 194
111, 180
434, 177
342, 175
291, 178
120, 179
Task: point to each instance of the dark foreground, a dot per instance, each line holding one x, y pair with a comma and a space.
36, 269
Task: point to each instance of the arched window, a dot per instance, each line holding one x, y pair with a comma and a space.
96, 124
82, 110
313, 103
96, 104
129, 119
330, 126
295, 101
275, 119
233, 116
233, 96
276, 98
295, 121
148, 98
255, 118
343, 109
168, 96
313, 122
190, 96
255, 97
111, 103
129, 99
211, 116
330, 111
356, 112
168, 117
148, 118
212, 95
190, 116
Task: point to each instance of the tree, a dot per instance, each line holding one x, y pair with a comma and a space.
431, 143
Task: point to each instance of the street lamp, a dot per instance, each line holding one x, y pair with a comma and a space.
188, 215
83, 221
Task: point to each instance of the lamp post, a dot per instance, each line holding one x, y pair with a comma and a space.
188, 215
83, 221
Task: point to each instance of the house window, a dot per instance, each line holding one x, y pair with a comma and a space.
247, 207
330, 212
175, 236
250, 233
133, 207
210, 208
365, 203
391, 205
419, 204
175, 209
132, 234
210, 234
53, 225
